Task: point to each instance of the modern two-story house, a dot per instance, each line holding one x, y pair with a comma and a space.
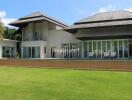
102, 36
42, 36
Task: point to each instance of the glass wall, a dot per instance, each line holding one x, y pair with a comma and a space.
71, 50
107, 49
31, 52
97, 49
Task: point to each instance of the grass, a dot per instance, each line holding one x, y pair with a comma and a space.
59, 84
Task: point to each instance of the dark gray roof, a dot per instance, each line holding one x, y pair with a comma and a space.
101, 24
115, 18
113, 15
37, 16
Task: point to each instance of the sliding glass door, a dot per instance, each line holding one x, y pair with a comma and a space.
31, 52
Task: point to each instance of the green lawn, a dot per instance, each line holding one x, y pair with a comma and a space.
59, 84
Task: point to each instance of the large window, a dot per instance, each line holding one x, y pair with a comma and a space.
106, 49
31, 52
8, 52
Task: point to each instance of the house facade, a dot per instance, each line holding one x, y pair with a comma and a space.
42, 36
102, 36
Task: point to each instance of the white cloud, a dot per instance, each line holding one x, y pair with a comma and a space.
113, 8
5, 20
129, 9
2, 14
107, 8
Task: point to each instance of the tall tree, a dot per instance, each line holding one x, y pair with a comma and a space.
8, 32
13, 33
1, 31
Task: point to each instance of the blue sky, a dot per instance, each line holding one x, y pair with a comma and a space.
68, 11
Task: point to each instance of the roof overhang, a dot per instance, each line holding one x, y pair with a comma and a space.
105, 37
9, 40
24, 22
37, 18
73, 29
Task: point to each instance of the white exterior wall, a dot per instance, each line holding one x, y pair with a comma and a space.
6, 43
41, 28
51, 36
27, 32
57, 38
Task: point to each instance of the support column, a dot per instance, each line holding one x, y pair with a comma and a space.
42, 53
82, 49
21, 52
1, 52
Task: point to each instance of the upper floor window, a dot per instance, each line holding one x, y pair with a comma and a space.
36, 36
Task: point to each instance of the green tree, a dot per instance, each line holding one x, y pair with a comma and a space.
1, 31
8, 32
17, 35
12, 33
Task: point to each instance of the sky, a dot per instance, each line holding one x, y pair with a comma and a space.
67, 11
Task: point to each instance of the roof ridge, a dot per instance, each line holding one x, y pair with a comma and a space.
30, 15
107, 12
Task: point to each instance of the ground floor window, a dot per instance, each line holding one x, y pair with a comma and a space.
8, 52
31, 52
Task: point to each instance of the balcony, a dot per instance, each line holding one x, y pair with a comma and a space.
34, 37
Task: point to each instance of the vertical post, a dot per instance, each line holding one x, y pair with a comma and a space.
87, 49
123, 48
82, 49
21, 51
22, 34
22, 43
118, 48
101, 49
42, 52
106, 46
92, 47
69, 51
78, 50
1, 52
128, 49
15, 52
97, 50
